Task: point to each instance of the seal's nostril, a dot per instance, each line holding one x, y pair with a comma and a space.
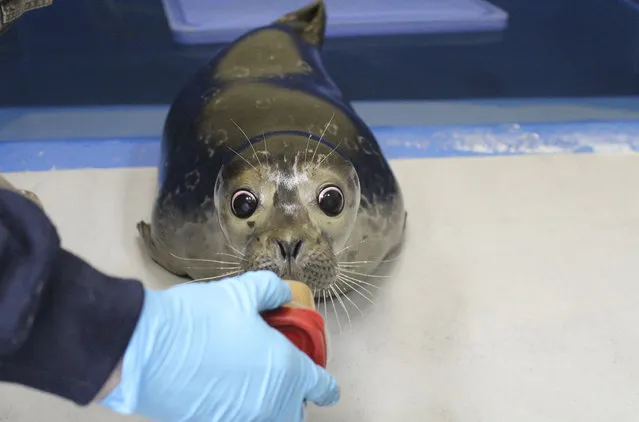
289, 250
297, 246
283, 248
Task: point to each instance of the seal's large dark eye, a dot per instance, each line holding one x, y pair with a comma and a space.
243, 203
331, 200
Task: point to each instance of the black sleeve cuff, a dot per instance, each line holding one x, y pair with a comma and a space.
74, 322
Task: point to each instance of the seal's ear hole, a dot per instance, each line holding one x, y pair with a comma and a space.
243, 203
331, 200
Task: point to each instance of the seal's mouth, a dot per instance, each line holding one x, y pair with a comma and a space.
309, 260
316, 275
288, 271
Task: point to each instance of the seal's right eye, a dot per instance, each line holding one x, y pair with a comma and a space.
243, 203
331, 201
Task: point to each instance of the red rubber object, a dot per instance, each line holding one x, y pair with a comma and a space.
304, 328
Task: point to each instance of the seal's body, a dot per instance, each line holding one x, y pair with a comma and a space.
266, 166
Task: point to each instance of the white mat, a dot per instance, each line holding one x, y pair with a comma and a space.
516, 300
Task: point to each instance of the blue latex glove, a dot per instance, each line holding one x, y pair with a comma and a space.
202, 353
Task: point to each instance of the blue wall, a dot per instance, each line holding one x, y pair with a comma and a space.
121, 52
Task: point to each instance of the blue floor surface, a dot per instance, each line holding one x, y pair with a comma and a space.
397, 142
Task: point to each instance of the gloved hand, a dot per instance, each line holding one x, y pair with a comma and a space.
202, 353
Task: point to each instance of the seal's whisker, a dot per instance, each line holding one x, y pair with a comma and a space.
327, 155
317, 298
212, 261
360, 282
234, 267
339, 323
350, 246
245, 160
325, 307
344, 270
354, 284
356, 264
229, 254
368, 262
322, 136
348, 316
308, 141
236, 250
348, 298
265, 148
217, 277
355, 289
183, 258
249, 141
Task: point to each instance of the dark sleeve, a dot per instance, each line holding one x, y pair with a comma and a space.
63, 325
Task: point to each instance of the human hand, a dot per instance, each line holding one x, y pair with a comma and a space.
202, 352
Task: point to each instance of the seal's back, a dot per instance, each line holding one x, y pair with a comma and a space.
270, 80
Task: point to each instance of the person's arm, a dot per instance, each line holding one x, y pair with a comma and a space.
197, 350
64, 326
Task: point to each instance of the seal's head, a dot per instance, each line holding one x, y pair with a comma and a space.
252, 179
290, 209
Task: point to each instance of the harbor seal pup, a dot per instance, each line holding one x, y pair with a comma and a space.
266, 166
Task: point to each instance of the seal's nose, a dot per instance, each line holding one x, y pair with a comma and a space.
289, 250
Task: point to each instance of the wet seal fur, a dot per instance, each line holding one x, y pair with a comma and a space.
265, 165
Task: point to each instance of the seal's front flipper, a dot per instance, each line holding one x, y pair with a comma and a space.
160, 255
309, 22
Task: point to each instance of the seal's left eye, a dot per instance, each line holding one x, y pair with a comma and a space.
243, 203
331, 200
